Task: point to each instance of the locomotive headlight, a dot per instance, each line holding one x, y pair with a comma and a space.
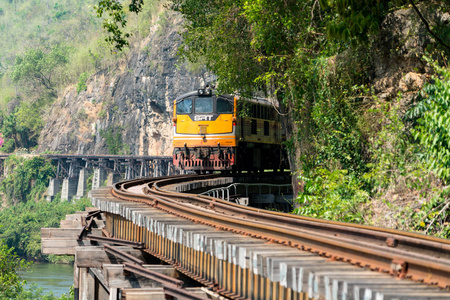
208, 92
201, 92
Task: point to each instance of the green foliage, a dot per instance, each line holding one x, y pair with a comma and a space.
47, 45
332, 195
356, 20
11, 285
432, 124
22, 126
81, 85
116, 20
334, 127
37, 67
21, 224
259, 39
113, 140
434, 216
27, 178
8, 146
392, 154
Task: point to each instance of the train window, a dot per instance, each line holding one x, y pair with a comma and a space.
184, 106
253, 127
266, 128
224, 106
203, 105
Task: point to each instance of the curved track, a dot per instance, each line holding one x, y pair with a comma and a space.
403, 254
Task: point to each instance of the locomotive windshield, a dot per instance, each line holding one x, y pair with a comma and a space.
224, 106
184, 106
204, 105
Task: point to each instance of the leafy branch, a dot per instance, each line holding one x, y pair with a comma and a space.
117, 20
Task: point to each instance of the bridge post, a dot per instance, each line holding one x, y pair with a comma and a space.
87, 284
157, 168
162, 168
166, 168
69, 188
99, 177
132, 169
113, 293
144, 168
54, 187
82, 182
113, 178
76, 281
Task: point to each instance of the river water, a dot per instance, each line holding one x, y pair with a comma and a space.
56, 278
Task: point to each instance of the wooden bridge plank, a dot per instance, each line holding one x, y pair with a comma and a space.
60, 246
143, 294
95, 256
70, 224
66, 233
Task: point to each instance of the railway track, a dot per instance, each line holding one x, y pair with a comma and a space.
404, 255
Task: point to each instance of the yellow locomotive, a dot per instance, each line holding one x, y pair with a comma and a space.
226, 133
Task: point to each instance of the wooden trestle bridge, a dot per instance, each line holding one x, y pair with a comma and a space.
146, 240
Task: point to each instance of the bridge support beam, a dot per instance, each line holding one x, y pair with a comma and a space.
86, 284
99, 178
69, 188
91, 283
129, 166
159, 169
54, 187
113, 178
82, 182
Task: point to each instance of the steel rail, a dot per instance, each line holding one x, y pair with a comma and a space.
181, 293
371, 230
364, 254
122, 255
385, 236
114, 241
161, 278
339, 241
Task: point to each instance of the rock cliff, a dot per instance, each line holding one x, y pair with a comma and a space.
127, 110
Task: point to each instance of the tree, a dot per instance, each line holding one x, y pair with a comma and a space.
11, 286
23, 125
116, 21
432, 124
36, 68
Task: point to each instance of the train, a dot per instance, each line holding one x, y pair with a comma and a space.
215, 132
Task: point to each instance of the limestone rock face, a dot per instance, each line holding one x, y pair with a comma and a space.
397, 59
128, 109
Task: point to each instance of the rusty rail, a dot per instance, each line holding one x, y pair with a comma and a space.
407, 255
114, 241
140, 270
122, 255
180, 293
